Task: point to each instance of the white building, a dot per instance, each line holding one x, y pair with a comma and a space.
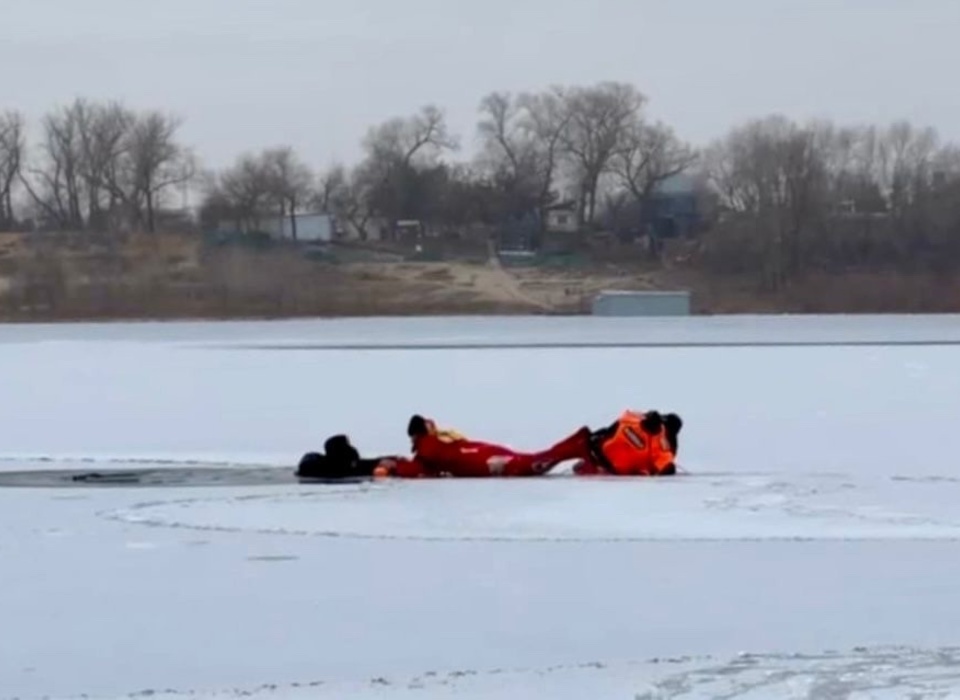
562, 218
310, 228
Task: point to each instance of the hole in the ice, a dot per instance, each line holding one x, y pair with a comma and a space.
148, 477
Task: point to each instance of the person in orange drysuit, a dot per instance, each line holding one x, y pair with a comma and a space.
636, 444
447, 453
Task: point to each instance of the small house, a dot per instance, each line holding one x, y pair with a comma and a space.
562, 217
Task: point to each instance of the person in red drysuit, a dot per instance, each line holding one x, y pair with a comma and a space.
446, 453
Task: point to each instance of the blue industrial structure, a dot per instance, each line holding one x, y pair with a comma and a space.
641, 303
672, 210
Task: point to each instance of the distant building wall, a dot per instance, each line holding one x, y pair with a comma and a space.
310, 227
562, 221
628, 303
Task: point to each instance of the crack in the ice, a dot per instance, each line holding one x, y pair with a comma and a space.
787, 498
907, 671
828, 676
756, 496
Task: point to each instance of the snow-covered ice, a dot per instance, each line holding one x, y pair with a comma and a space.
709, 507
813, 549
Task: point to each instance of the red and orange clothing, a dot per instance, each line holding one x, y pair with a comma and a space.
629, 448
447, 453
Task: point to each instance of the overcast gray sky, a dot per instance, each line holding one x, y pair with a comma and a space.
316, 73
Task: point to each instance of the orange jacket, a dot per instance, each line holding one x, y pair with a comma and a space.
630, 451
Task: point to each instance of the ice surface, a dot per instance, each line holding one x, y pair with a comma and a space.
706, 508
817, 529
875, 674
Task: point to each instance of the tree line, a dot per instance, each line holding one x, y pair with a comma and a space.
785, 197
534, 147
827, 198
101, 165
96, 166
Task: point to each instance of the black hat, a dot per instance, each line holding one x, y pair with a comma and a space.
652, 423
417, 426
340, 452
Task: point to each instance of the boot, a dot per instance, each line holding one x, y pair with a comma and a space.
586, 468
577, 446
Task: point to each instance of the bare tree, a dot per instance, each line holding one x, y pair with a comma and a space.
351, 200
329, 184
905, 163
345, 195
58, 178
599, 117
400, 141
507, 148
154, 163
103, 131
522, 143
291, 182
508, 154
775, 173
650, 154
74, 183
12, 147
101, 165
243, 193
396, 152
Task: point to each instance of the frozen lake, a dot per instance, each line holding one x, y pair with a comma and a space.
813, 550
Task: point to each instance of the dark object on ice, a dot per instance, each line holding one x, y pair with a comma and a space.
671, 424
313, 465
417, 426
674, 425
148, 477
339, 460
340, 452
652, 423
111, 477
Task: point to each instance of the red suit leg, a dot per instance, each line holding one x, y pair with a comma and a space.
480, 459
526, 464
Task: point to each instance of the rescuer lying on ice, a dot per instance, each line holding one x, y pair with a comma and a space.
445, 453
636, 444
441, 453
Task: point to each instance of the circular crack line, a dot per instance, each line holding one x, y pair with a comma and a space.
334, 511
